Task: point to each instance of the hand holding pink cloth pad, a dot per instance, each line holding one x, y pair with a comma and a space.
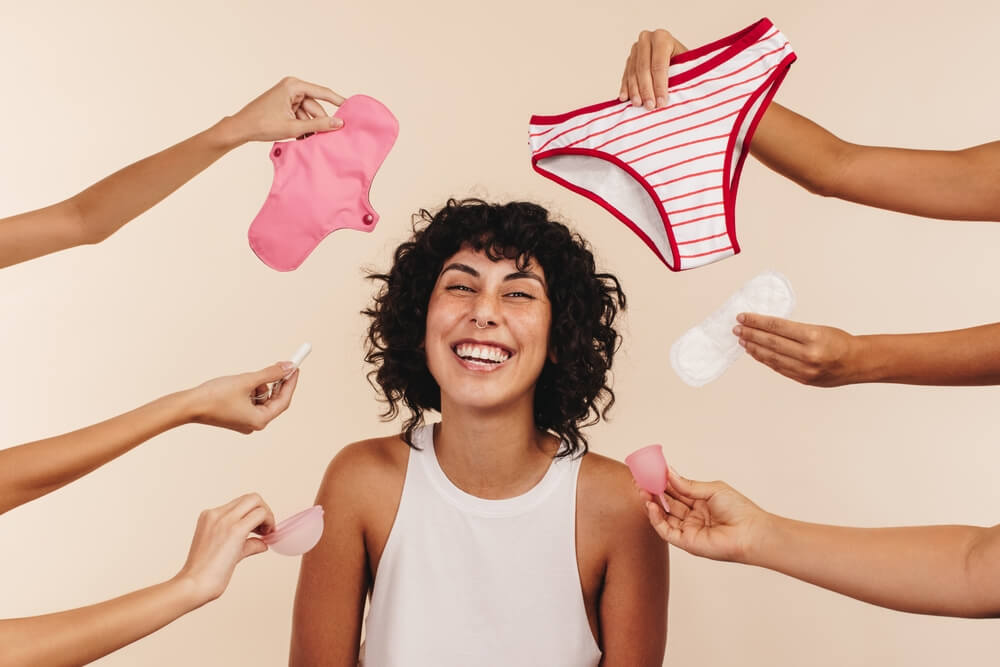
321, 184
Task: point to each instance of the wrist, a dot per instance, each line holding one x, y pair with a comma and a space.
189, 405
187, 591
226, 134
764, 533
868, 359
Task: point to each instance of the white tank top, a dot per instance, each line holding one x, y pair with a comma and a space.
464, 581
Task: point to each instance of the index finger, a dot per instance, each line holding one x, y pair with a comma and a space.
642, 69
772, 324
280, 400
318, 92
259, 520
663, 50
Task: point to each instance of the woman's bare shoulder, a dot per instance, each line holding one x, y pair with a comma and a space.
363, 471
606, 496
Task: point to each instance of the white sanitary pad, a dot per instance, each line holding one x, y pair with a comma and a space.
704, 352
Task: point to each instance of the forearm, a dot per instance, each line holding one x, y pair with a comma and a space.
952, 185
915, 569
82, 635
107, 205
31, 470
957, 358
103, 208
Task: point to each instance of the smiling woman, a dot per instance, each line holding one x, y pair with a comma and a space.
494, 538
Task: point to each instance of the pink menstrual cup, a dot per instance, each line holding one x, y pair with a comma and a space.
649, 469
297, 534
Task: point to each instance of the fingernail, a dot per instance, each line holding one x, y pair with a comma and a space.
649, 104
741, 318
742, 342
336, 122
622, 97
636, 101
661, 101
737, 330
286, 365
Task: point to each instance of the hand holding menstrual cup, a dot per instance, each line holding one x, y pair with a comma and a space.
649, 469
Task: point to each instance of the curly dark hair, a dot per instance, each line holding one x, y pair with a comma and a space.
569, 392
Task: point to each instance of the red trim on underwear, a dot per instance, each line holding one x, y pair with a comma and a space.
607, 206
769, 89
736, 43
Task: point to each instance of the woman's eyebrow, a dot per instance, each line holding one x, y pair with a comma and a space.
524, 274
458, 266
517, 275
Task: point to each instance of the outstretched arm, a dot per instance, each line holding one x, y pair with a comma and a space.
952, 185
287, 110
942, 570
31, 470
829, 357
949, 185
79, 636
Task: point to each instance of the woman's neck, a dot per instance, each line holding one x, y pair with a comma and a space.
492, 455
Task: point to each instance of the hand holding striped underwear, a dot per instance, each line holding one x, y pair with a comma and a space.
644, 80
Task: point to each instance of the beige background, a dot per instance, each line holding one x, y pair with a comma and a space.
178, 297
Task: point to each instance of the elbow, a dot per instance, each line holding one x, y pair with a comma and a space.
84, 231
982, 577
828, 172
820, 184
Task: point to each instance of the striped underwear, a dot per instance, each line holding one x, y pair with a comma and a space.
671, 174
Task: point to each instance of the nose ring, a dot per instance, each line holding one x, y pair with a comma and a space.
481, 327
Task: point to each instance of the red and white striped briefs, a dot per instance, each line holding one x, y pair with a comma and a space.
671, 174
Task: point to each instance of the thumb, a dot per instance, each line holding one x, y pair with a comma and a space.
272, 373
690, 488
252, 547
321, 124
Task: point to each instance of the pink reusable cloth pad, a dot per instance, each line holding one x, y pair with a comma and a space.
321, 184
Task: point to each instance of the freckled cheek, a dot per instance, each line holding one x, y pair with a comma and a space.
443, 319
533, 336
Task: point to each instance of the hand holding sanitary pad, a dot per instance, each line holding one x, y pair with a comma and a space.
704, 352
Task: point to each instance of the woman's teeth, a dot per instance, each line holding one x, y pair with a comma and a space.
486, 353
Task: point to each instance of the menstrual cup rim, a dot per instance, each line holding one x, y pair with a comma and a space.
643, 451
299, 540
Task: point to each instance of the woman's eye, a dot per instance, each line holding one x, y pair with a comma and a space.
458, 288
524, 295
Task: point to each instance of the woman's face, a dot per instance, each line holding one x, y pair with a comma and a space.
487, 334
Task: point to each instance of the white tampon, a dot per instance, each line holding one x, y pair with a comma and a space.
299, 357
